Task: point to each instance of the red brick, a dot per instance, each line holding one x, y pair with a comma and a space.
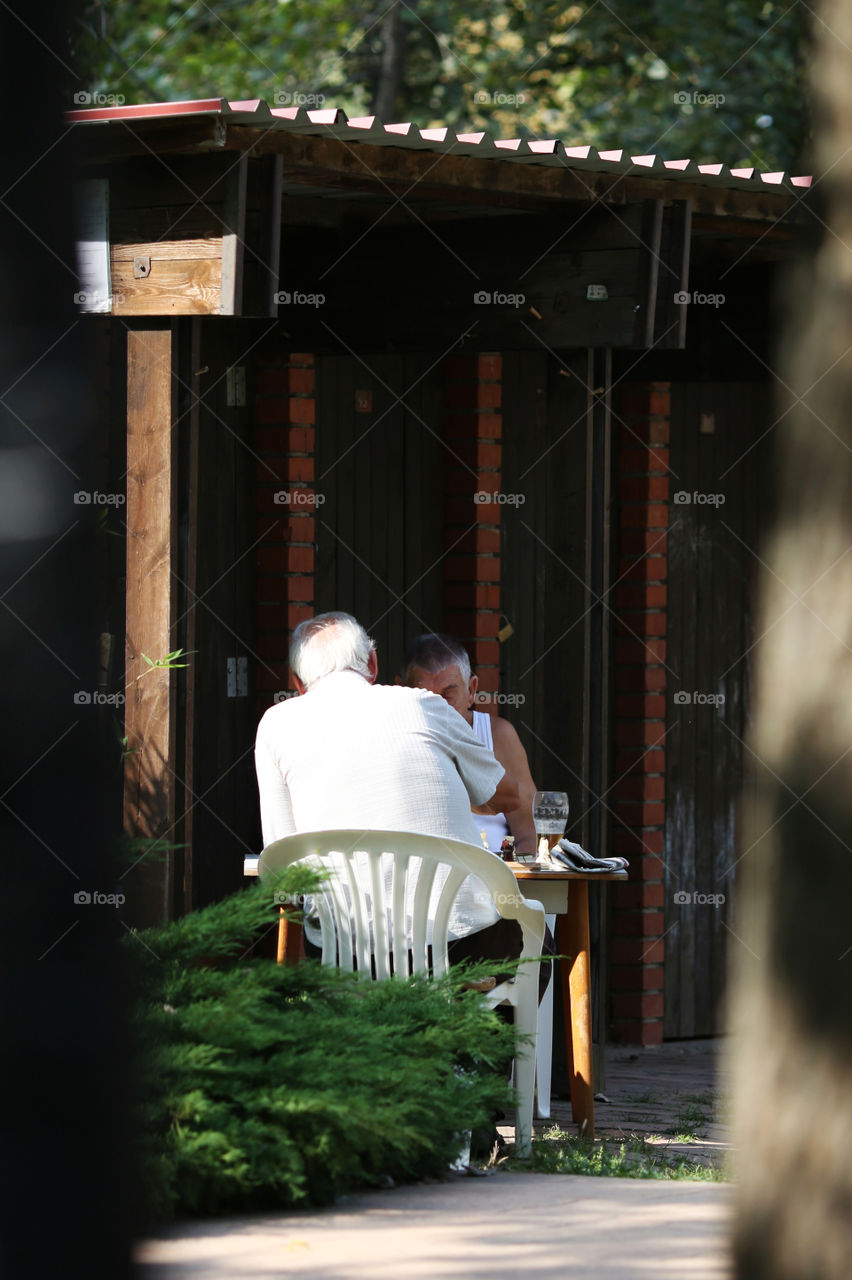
641, 623
489, 457
644, 1034
633, 650
636, 461
489, 679
643, 924
642, 516
480, 539
474, 395
639, 761
642, 815
487, 625
271, 439
645, 569
640, 542
636, 977
650, 706
635, 678
635, 595
485, 653
478, 568
643, 489
490, 365
637, 894
631, 733
460, 623
489, 426
638, 431
272, 382
461, 483
301, 589
272, 675
269, 411
301, 381
285, 558
272, 646
636, 950
660, 401
301, 439
302, 409
643, 788
641, 847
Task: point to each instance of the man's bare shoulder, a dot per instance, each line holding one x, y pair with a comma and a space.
503, 733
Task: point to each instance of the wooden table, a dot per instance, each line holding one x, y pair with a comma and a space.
565, 894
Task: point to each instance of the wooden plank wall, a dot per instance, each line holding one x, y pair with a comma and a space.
218, 607
379, 473
710, 628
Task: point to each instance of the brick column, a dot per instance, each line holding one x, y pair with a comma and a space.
637, 949
285, 415
472, 527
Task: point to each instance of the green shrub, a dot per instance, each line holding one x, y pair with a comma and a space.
267, 1086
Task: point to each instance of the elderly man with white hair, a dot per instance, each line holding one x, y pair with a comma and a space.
351, 753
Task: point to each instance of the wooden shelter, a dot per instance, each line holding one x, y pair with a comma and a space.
507, 388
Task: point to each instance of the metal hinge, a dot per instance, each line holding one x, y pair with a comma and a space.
238, 677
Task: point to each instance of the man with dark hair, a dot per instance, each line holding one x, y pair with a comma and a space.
441, 664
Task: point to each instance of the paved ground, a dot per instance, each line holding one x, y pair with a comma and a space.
511, 1224
499, 1228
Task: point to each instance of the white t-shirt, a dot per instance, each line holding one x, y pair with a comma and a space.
378, 757
494, 825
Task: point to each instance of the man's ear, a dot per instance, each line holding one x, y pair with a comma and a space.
372, 666
302, 688
472, 686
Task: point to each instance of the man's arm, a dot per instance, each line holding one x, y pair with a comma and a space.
276, 809
510, 752
505, 798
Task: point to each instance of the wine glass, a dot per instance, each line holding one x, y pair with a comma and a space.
550, 815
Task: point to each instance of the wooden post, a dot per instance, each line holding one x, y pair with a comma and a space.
150, 720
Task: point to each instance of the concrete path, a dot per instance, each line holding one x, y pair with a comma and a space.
510, 1225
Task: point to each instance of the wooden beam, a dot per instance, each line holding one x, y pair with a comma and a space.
150, 719
233, 238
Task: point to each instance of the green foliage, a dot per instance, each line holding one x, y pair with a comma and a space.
605, 74
557, 1152
268, 1086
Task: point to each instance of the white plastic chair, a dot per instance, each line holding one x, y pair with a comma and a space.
544, 1044
388, 899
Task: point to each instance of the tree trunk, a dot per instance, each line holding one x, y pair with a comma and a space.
394, 37
792, 1007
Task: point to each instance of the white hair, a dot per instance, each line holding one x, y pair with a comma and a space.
329, 642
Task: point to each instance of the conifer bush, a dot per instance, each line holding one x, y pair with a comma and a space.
266, 1086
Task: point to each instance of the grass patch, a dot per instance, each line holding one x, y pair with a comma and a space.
690, 1123
556, 1151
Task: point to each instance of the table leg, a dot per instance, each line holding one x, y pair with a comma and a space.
574, 941
289, 939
